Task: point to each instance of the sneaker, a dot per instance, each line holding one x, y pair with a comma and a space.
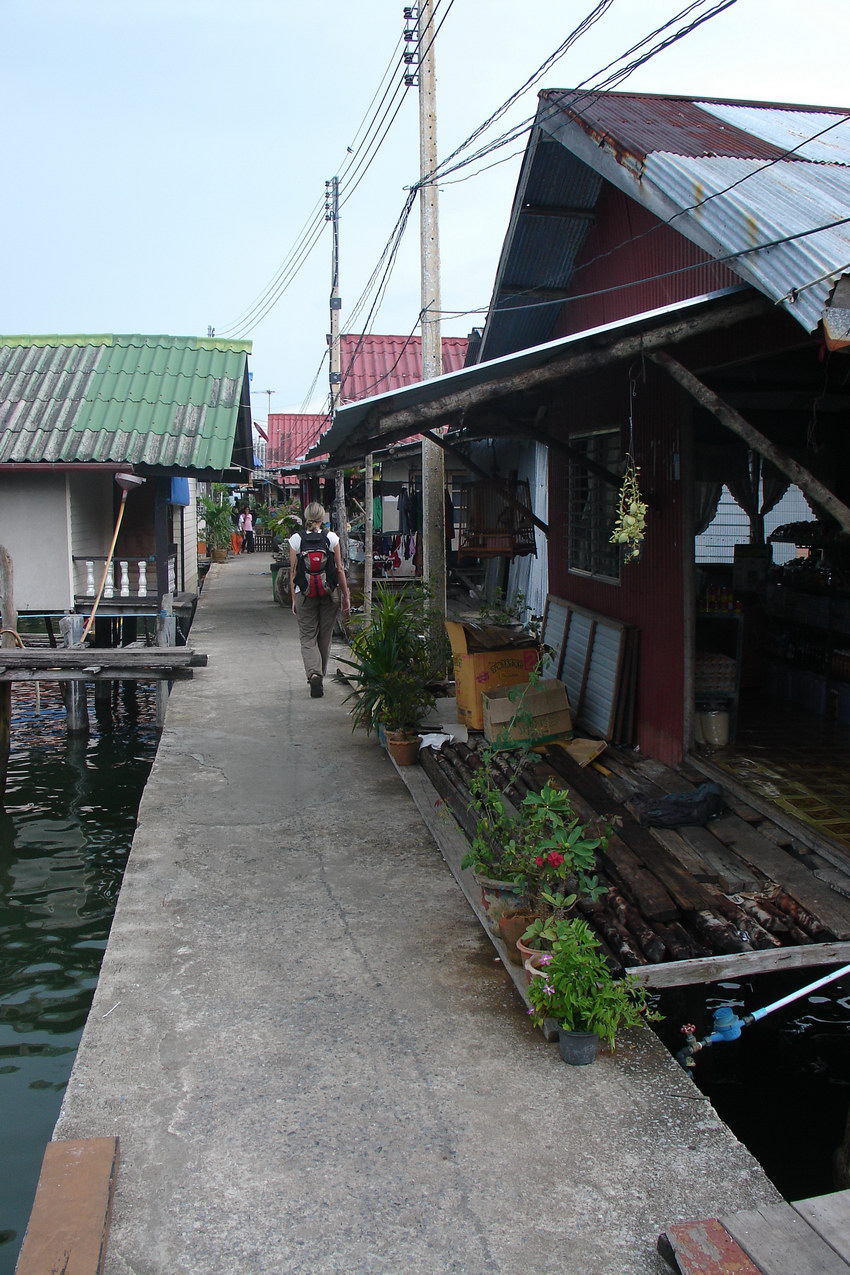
316, 688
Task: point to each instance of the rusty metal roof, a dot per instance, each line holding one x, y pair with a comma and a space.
374, 364
174, 402
729, 176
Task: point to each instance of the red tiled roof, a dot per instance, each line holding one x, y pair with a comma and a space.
291, 435
384, 363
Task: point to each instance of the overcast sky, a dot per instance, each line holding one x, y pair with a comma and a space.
162, 157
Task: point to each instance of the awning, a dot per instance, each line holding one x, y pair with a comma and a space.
373, 423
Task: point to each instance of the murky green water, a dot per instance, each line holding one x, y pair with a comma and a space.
65, 832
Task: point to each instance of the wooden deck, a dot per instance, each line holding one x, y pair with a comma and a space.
98, 664
742, 895
809, 1237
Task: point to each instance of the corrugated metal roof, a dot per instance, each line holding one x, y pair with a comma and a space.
670, 153
291, 434
150, 400
373, 364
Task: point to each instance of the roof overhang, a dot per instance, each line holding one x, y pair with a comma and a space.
375, 423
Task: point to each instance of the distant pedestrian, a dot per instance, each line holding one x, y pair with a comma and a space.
319, 589
247, 528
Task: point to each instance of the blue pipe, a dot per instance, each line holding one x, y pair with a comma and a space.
728, 1026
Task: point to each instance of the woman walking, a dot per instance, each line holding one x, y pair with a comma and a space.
319, 589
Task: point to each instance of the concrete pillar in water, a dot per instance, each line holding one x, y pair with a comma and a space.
74, 693
166, 635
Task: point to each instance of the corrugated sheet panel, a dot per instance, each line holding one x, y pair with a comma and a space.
789, 198
791, 129
153, 400
291, 434
376, 364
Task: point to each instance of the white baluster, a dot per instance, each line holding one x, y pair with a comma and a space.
90, 589
125, 578
109, 587
143, 578
172, 576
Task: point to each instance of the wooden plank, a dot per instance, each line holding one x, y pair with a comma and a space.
829, 1215
689, 858
113, 674
80, 657
828, 906
712, 969
704, 1248
662, 776
781, 1243
69, 1223
730, 871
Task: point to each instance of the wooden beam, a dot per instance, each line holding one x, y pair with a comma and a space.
69, 1224
383, 421
711, 969
734, 421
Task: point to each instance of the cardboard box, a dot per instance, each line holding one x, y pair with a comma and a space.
541, 713
480, 671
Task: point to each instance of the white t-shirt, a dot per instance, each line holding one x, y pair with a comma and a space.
295, 544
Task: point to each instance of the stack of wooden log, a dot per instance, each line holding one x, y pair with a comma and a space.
673, 895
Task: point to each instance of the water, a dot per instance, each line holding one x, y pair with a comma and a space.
783, 1087
65, 833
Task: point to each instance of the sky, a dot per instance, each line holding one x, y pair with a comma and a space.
162, 158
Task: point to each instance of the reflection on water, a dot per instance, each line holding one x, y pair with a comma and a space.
65, 832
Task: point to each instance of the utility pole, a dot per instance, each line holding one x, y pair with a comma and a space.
433, 470
335, 375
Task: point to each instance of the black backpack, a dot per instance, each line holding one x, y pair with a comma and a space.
315, 567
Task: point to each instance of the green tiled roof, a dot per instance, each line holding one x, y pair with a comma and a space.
151, 400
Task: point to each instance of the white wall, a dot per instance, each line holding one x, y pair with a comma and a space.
35, 529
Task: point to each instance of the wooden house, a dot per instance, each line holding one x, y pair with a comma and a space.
75, 411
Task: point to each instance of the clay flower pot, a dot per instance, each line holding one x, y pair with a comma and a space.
403, 749
512, 925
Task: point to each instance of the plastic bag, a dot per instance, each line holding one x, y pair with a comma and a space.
676, 808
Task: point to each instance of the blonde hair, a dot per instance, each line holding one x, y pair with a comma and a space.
314, 513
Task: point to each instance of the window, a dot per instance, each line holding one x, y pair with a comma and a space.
593, 505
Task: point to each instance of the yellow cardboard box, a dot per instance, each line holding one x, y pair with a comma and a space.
515, 715
480, 671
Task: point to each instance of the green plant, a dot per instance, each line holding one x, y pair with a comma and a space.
541, 845
284, 521
578, 988
630, 527
391, 664
501, 610
218, 521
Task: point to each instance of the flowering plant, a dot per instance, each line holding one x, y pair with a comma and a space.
630, 527
575, 985
541, 845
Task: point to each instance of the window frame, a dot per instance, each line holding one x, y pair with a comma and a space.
597, 554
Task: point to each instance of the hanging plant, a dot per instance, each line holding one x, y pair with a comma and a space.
630, 527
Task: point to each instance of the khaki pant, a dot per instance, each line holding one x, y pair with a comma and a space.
316, 618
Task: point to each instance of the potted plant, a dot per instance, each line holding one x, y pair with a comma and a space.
536, 857
219, 526
391, 671
573, 983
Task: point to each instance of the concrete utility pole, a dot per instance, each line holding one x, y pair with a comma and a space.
433, 471
335, 374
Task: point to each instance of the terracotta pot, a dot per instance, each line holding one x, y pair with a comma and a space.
403, 750
511, 926
219, 555
526, 952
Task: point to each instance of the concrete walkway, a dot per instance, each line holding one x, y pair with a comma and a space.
303, 1042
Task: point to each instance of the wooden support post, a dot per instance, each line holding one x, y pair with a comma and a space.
166, 635
8, 620
738, 424
368, 539
74, 693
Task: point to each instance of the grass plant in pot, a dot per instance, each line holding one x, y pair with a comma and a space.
392, 667
574, 984
219, 526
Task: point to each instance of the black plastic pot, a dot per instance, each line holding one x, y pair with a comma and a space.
578, 1048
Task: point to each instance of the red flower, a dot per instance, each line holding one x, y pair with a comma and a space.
555, 859
539, 861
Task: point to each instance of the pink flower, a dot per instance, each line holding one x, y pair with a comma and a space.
546, 959
548, 989
555, 859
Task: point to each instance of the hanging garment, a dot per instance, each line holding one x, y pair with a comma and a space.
404, 509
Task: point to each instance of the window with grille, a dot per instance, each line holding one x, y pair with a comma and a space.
593, 505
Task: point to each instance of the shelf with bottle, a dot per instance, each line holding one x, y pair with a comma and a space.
719, 599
